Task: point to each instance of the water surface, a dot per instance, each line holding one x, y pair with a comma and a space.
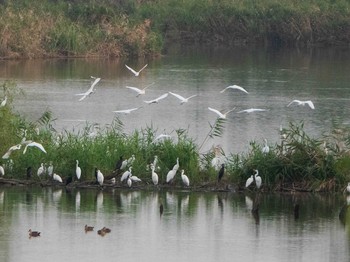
193, 227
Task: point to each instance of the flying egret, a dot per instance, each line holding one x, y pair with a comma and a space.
154, 175
138, 90
162, 136
221, 172
249, 181
3, 103
127, 111
136, 73
221, 115
35, 144
99, 176
181, 98
57, 178
251, 110
90, 90
126, 174
184, 178
157, 99
41, 170
235, 87
303, 103
258, 180
266, 148
77, 169
11, 149
50, 169
2, 171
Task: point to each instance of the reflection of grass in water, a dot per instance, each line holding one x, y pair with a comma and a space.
298, 160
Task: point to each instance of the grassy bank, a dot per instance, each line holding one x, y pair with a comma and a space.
114, 28
297, 162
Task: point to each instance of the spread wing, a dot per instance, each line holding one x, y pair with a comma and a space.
132, 70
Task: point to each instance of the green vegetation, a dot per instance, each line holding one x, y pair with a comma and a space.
114, 28
297, 162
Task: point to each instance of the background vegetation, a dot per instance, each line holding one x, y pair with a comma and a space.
113, 28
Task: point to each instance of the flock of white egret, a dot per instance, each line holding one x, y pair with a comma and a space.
217, 161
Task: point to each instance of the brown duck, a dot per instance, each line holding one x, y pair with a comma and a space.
88, 228
34, 233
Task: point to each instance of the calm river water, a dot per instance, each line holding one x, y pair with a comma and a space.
273, 78
193, 226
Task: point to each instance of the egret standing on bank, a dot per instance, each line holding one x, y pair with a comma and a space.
77, 170
184, 178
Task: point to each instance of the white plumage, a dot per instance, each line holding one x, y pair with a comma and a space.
126, 174
185, 179
221, 115
303, 103
234, 87
2, 171
181, 98
157, 99
136, 73
57, 178
154, 174
100, 177
77, 170
35, 144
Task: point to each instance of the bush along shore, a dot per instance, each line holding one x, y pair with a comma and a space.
296, 163
119, 28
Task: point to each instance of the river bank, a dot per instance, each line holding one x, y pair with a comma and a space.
38, 29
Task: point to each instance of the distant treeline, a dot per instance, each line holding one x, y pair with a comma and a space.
115, 28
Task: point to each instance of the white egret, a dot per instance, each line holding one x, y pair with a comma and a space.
217, 159
348, 188
126, 174
184, 178
170, 176
30, 143
50, 169
266, 148
220, 114
181, 98
154, 175
77, 170
235, 87
155, 162
124, 164
157, 99
90, 90
2, 171
3, 103
99, 177
176, 166
57, 178
11, 149
138, 90
251, 110
258, 180
135, 178
131, 160
127, 111
129, 181
162, 136
249, 181
41, 170
303, 103
136, 73
221, 172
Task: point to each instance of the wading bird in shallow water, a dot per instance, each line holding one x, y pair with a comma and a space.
303, 103
90, 90
181, 98
221, 115
249, 181
154, 175
221, 172
136, 73
184, 178
138, 90
235, 87
77, 170
155, 101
